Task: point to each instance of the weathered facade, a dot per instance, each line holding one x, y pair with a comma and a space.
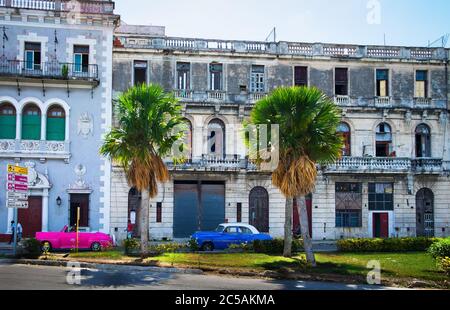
393, 179
55, 106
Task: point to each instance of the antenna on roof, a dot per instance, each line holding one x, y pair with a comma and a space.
272, 34
440, 42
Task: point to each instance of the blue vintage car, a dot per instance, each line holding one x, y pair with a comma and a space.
226, 235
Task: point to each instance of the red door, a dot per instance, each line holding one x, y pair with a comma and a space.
296, 220
381, 225
31, 218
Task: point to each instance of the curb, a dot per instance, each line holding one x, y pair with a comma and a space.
63, 263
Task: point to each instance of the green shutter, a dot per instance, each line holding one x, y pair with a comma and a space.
56, 129
8, 127
31, 127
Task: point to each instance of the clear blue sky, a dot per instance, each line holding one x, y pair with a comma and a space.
405, 22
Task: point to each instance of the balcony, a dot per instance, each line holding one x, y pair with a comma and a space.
84, 6
35, 149
342, 100
254, 97
210, 163
370, 165
216, 95
48, 72
184, 94
423, 102
383, 101
427, 166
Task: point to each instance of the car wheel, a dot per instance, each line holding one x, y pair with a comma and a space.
96, 247
208, 247
46, 246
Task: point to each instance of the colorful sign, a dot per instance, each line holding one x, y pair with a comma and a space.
17, 180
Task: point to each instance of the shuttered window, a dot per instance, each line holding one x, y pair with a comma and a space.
56, 124
300, 76
421, 84
216, 70
31, 123
382, 83
7, 122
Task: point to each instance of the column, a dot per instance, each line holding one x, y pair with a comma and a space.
10, 218
43, 126
45, 211
19, 125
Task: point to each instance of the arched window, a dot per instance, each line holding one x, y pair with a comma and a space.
216, 138
384, 146
423, 141
7, 121
345, 131
31, 123
56, 124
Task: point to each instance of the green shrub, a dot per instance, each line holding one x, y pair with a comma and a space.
193, 245
440, 249
275, 246
244, 247
131, 246
385, 245
65, 71
30, 248
444, 264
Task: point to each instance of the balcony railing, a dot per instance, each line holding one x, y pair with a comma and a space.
386, 165
211, 162
81, 6
215, 95
254, 97
282, 48
371, 164
427, 165
422, 101
342, 100
382, 101
184, 94
48, 70
34, 149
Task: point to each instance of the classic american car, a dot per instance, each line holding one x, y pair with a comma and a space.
228, 234
66, 239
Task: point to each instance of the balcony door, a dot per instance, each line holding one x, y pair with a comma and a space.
32, 56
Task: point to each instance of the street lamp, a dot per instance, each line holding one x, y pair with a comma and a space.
58, 201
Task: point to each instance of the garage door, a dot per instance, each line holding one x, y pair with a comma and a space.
198, 206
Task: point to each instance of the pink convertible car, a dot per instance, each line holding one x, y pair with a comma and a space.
66, 240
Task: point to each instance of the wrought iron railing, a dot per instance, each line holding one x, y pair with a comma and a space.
81, 6
51, 70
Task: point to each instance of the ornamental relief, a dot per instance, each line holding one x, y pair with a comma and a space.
7, 145
85, 125
53, 146
30, 146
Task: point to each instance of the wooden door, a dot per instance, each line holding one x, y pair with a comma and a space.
381, 225
79, 201
31, 218
259, 209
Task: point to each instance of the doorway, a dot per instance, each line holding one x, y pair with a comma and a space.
31, 218
425, 213
381, 225
79, 201
259, 209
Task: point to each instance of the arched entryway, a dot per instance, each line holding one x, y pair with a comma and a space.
259, 209
425, 213
134, 201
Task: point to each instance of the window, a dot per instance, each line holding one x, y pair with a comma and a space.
183, 75
381, 196
216, 138
245, 230
348, 205
215, 76
7, 121
32, 55
232, 230
31, 123
300, 76
421, 84
257, 79
345, 131
140, 72
423, 141
341, 81
382, 83
239, 212
187, 141
81, 58
56, 124
384, 141
159, 212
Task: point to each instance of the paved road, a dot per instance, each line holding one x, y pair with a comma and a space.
17, 277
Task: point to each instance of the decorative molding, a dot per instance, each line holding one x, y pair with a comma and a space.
85, 125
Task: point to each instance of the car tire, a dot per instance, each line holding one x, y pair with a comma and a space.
208, 247
96, 247
46, 246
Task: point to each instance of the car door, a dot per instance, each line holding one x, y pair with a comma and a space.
68, 240
230, 236
246, 235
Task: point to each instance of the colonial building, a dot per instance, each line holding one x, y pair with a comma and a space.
393, 178
55, 106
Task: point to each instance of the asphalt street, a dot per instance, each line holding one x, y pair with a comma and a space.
25, 277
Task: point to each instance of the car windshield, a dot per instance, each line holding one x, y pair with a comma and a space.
220, 228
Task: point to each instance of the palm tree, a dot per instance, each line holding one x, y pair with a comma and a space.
308, 122
149, 126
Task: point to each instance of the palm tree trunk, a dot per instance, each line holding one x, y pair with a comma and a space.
304, 223
144, 221
287, 252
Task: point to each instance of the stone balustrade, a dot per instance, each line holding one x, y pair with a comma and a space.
283, 48
84, 6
